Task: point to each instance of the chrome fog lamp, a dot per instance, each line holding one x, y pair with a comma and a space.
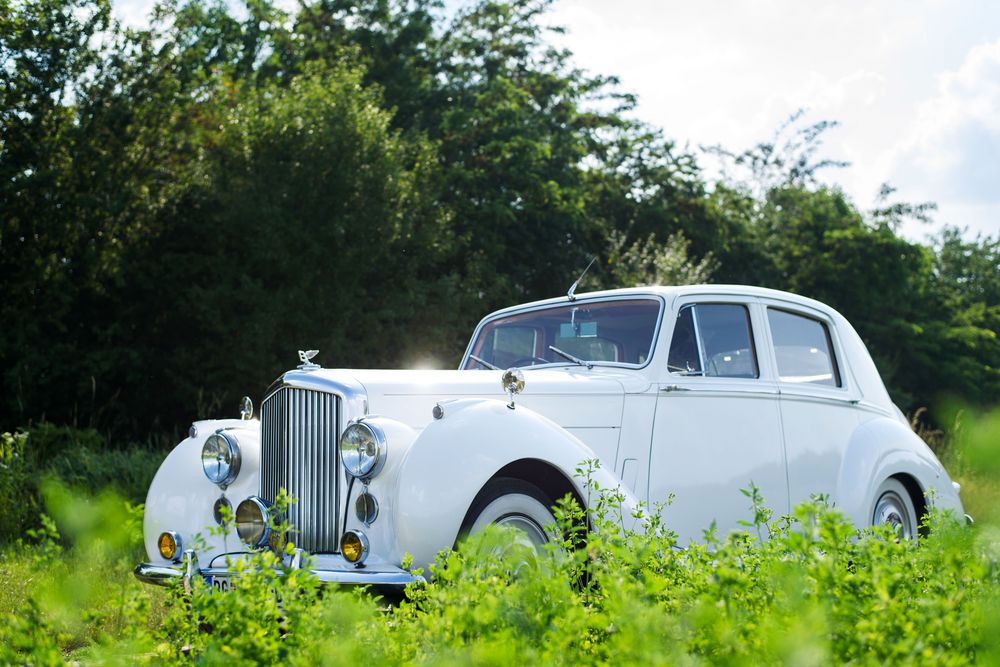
222, 510
220, 458
362, 449
366, 508
251, 522
354, 546
169, 544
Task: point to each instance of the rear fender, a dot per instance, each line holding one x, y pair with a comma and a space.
884, 448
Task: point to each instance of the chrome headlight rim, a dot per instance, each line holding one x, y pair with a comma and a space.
222, 477
261, 527
363, 464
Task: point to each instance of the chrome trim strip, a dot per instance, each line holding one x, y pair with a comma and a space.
327, 381
162, 575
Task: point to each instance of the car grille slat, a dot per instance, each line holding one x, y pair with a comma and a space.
299, 430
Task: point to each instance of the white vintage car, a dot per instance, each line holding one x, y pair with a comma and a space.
690, 392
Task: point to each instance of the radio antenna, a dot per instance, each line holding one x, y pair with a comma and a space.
571, 294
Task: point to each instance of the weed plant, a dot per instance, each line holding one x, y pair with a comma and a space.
803, 589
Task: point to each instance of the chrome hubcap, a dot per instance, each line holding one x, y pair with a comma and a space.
891, 510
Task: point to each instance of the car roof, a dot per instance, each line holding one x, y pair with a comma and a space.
671, 291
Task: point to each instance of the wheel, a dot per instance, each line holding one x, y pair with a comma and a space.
515, 503
894, 507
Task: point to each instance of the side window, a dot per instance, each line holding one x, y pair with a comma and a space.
803, 349
713, 340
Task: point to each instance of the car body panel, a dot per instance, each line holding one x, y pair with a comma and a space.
652, 429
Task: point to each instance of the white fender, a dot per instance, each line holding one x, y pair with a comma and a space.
882, 448
181, 498
455, 456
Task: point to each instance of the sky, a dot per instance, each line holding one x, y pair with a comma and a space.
914, 84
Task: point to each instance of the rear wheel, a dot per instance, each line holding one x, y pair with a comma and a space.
505, 501
894, 507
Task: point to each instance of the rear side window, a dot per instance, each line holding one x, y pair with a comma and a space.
713, 340
803, 349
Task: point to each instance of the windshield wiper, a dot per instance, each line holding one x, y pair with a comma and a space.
566, 355
484, 362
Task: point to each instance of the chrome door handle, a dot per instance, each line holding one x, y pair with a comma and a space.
674, 387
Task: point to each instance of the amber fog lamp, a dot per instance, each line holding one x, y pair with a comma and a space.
354, 546
362, 449
251, 522
169, 544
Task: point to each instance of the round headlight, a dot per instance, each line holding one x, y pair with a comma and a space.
220, 458
251, 521
362, 449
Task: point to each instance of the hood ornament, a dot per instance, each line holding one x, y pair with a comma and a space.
513, 384
305, 356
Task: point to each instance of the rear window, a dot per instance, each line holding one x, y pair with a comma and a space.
803, 349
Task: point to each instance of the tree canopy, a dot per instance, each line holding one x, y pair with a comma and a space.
183, 206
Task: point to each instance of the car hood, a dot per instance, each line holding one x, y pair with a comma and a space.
573, 397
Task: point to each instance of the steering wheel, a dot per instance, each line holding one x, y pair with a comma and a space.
530, 361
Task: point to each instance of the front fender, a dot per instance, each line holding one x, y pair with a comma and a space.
883, 448
181, 498
455, 456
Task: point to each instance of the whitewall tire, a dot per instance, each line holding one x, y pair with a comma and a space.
894, 507
513, 503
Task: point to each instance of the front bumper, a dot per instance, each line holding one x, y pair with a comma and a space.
378, 575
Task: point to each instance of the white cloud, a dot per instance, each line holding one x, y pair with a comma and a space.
133, 13
952, 146
730, 72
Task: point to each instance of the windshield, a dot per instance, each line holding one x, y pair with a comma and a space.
620, 331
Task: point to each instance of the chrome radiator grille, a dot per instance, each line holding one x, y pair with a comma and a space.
299, 430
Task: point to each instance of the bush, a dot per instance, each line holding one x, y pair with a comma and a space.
80, 458
17, 499
803, 589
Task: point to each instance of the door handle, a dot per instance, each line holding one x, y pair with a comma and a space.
674, 387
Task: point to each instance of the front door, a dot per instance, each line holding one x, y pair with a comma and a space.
718, 427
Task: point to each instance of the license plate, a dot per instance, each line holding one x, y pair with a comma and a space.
221, 584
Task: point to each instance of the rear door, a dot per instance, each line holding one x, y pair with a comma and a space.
717, 427
818, 412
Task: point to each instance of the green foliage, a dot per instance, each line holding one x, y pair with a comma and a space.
15, 485
805, 589
79, 458
650, 263
184, 206
70, 587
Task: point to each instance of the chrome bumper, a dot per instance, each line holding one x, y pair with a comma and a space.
380, 576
